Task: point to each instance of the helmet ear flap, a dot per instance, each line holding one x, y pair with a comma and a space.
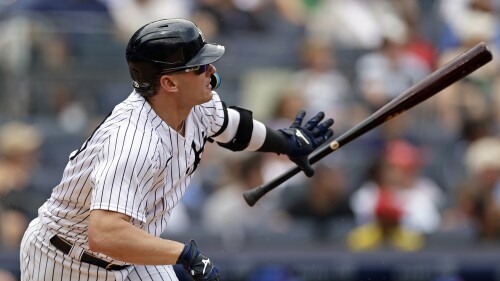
143, 75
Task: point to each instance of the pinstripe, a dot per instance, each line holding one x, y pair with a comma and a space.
152, 273
37, 272
63, 270
149, 273
80, 269
143, 163
133, 163
46, 275
24, 255
133, 168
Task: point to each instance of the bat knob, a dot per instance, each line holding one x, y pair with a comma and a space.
250, 197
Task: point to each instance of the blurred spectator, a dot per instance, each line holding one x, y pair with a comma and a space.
68, 5
179, 222
19, 144
211, 175
323, 199
7, 276
323, 86
297, 11
397, 203
71, 113
129, 15
417, 40
471, 97
385, 73
48, 57
460, 217
208, 20
288, 103
225, 213
19, 147
236, 16
453, 163
15, 61
482, 161
13, 223
77, 15
358, 24
466, 23
463, 19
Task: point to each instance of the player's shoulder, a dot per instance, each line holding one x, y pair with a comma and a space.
134, 102
132, 114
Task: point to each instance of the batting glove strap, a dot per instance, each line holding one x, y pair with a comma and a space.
199, 266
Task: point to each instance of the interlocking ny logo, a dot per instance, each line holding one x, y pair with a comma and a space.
197, 155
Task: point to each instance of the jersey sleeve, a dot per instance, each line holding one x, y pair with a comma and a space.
123, 174
215, 115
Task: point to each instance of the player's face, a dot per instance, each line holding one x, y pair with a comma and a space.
196, 84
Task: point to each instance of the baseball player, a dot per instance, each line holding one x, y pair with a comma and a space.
104, 219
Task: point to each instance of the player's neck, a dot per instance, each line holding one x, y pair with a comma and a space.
174, 117
180, 129
170, 110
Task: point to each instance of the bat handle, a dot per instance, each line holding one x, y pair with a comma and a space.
253, 195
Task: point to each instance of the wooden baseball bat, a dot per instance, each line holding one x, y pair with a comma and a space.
438, 80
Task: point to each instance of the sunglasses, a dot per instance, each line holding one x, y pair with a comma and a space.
200, 69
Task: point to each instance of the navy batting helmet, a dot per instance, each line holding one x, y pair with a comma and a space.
163, 45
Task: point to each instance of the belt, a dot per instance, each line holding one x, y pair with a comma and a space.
65, 247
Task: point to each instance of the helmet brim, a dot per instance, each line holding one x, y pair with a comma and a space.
210, 53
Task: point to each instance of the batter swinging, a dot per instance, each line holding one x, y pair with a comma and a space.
104, 219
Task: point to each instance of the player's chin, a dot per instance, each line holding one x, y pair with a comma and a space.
207, 94
208, 86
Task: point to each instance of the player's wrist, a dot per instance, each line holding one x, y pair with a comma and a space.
187, 254
199, 266
275, 141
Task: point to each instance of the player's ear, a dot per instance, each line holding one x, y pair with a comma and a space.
168, 83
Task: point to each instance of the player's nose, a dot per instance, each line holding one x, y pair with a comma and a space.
211, 69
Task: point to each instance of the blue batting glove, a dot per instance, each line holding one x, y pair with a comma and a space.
196, 264
302, 140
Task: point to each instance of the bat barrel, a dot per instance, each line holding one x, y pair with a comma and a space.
456, 69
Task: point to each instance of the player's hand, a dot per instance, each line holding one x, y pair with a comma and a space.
302, 140
196, 264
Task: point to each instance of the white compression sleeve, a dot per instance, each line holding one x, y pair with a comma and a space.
258, 133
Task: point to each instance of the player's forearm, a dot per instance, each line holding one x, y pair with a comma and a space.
120, 240
244, 133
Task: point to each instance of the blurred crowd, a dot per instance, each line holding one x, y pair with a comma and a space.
434, 171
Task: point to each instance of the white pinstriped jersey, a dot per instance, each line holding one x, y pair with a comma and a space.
133, 163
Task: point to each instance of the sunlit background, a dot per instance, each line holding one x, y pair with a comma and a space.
418, 198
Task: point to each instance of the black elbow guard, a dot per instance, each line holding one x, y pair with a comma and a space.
244, 132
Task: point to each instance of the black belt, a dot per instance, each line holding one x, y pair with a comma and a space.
65, 247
